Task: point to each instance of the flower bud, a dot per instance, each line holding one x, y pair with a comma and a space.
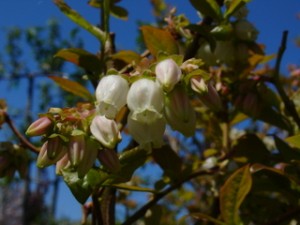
39, 127
179, 112
105, 131
62, 164
89, 157
245, 31
76, 149
147, 134
111, 95
109, 159
145, 100
43, 160
207, 94
54, 147
168, 74
252, 105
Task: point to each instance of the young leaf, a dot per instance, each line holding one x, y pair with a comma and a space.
233, 193
208, 8
132, 188
127, 56
119, 12
82, 58
78, 19
204, 217
72, 87
234, 6
159, 40
294, 140
288, 153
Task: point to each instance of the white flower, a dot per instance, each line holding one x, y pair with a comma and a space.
168, 74
147, 135
111, 94
145, 100
105, 131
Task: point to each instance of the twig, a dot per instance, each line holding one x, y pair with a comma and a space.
141, 212
289, 105
23, 140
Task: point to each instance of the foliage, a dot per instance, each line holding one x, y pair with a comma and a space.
198, 103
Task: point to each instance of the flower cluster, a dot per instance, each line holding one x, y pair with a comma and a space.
75, 137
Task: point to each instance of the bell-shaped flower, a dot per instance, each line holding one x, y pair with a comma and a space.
76, 149
105, 131
179, 112
39, 127
147, 134
54, 147
62, 164
168, 74
111, 94
145, 100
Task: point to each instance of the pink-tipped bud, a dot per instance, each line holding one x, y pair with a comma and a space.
39, 127
109, 159
168, 74
43, 160
62, 164
54, 147
76, 149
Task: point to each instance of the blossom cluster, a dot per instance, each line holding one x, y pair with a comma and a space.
75, 137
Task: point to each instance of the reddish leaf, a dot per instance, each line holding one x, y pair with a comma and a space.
159, 40
82, 58
233, 193
127, 56
72, 87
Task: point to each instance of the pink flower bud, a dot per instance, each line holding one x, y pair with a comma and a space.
76, 149
148, 135
179, 112
109, 159
111, 95
145, 100
54, 147
43, 160
39, 127
105, 131
168, 74
62, 164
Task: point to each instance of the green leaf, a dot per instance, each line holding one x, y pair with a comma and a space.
249, 148
127, 56
131, 160
294, 140
132, 188
82, 58
79, 20
169, 161
72, 87
234, 6
222, 32
159, 40
208, 8
119, 12
288, 153
233, 193
81, 192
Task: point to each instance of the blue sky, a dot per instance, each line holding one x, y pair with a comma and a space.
271, 17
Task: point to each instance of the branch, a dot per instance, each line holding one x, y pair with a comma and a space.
289, 105
23, 140
141, 212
